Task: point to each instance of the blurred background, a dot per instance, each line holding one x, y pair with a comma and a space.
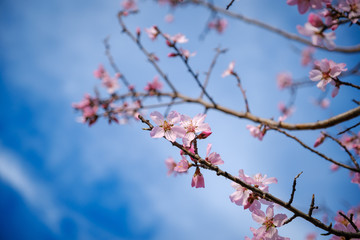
60, 179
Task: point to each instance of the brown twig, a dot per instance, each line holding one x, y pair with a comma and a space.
345, 148
293, 190
316, 152
350, 220
348, 129
208, 73
242, 91
312, 205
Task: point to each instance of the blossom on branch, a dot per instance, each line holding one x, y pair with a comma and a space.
214, 158
284, 80
305, 5
218, 24
153, 87
326, 71
229, 70
198, 179
269, 223
318, 37
152, 32
193, 126
167, 126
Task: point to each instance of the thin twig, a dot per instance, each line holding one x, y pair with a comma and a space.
348, 129
350, 220
293, 189
242, 91
208, 73
149, 55
312, 205
316, 152
345, 148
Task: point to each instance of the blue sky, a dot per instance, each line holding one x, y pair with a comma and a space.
63, 180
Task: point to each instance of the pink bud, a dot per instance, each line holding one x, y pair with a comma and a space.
315, 20
172, 54
138, 31
204, 134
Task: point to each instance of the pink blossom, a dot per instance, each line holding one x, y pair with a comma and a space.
152, 32
326, 71
204, 134
304, 5
112, 84
218, 24
198, 179
315, 20
186, 53
182, 166
169, 18
177, 38
154, 86
334, 167
89, 107
193, 126
255, 131
352, 7
166, 127
244, 197
324, 103
319, 140
306, 55
98, 73
268, 222
213, 157
355, 178
318, 37
311, 236
229, 70
129, 5
335, 91
284, 80
170, 164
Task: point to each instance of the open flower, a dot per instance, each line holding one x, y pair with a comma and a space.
318, 37
154, 86
326, 71
193, 126
268, 222
229, 70
213, 157
166, 127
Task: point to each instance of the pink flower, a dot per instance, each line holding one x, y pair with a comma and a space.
306, 55
112, 84
255, 131
284, 80
89, 107
319, 140
318, 37
218, 24
315, 20
169, 18
193, 126
204, 134
154, 86
177, 38
214, 157
268, 222
182, 166
129, 5
326, 71
166, 127
324, 103
170, 164
311, 236
98, 73
352, 7
355, 178
186, 53
152, 32
229, 70
198, 179
334, 167
244, 197
304, 5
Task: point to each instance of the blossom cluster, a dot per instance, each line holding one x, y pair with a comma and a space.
252, 201
343, 224
190, 130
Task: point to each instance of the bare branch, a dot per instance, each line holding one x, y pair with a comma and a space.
293, 189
